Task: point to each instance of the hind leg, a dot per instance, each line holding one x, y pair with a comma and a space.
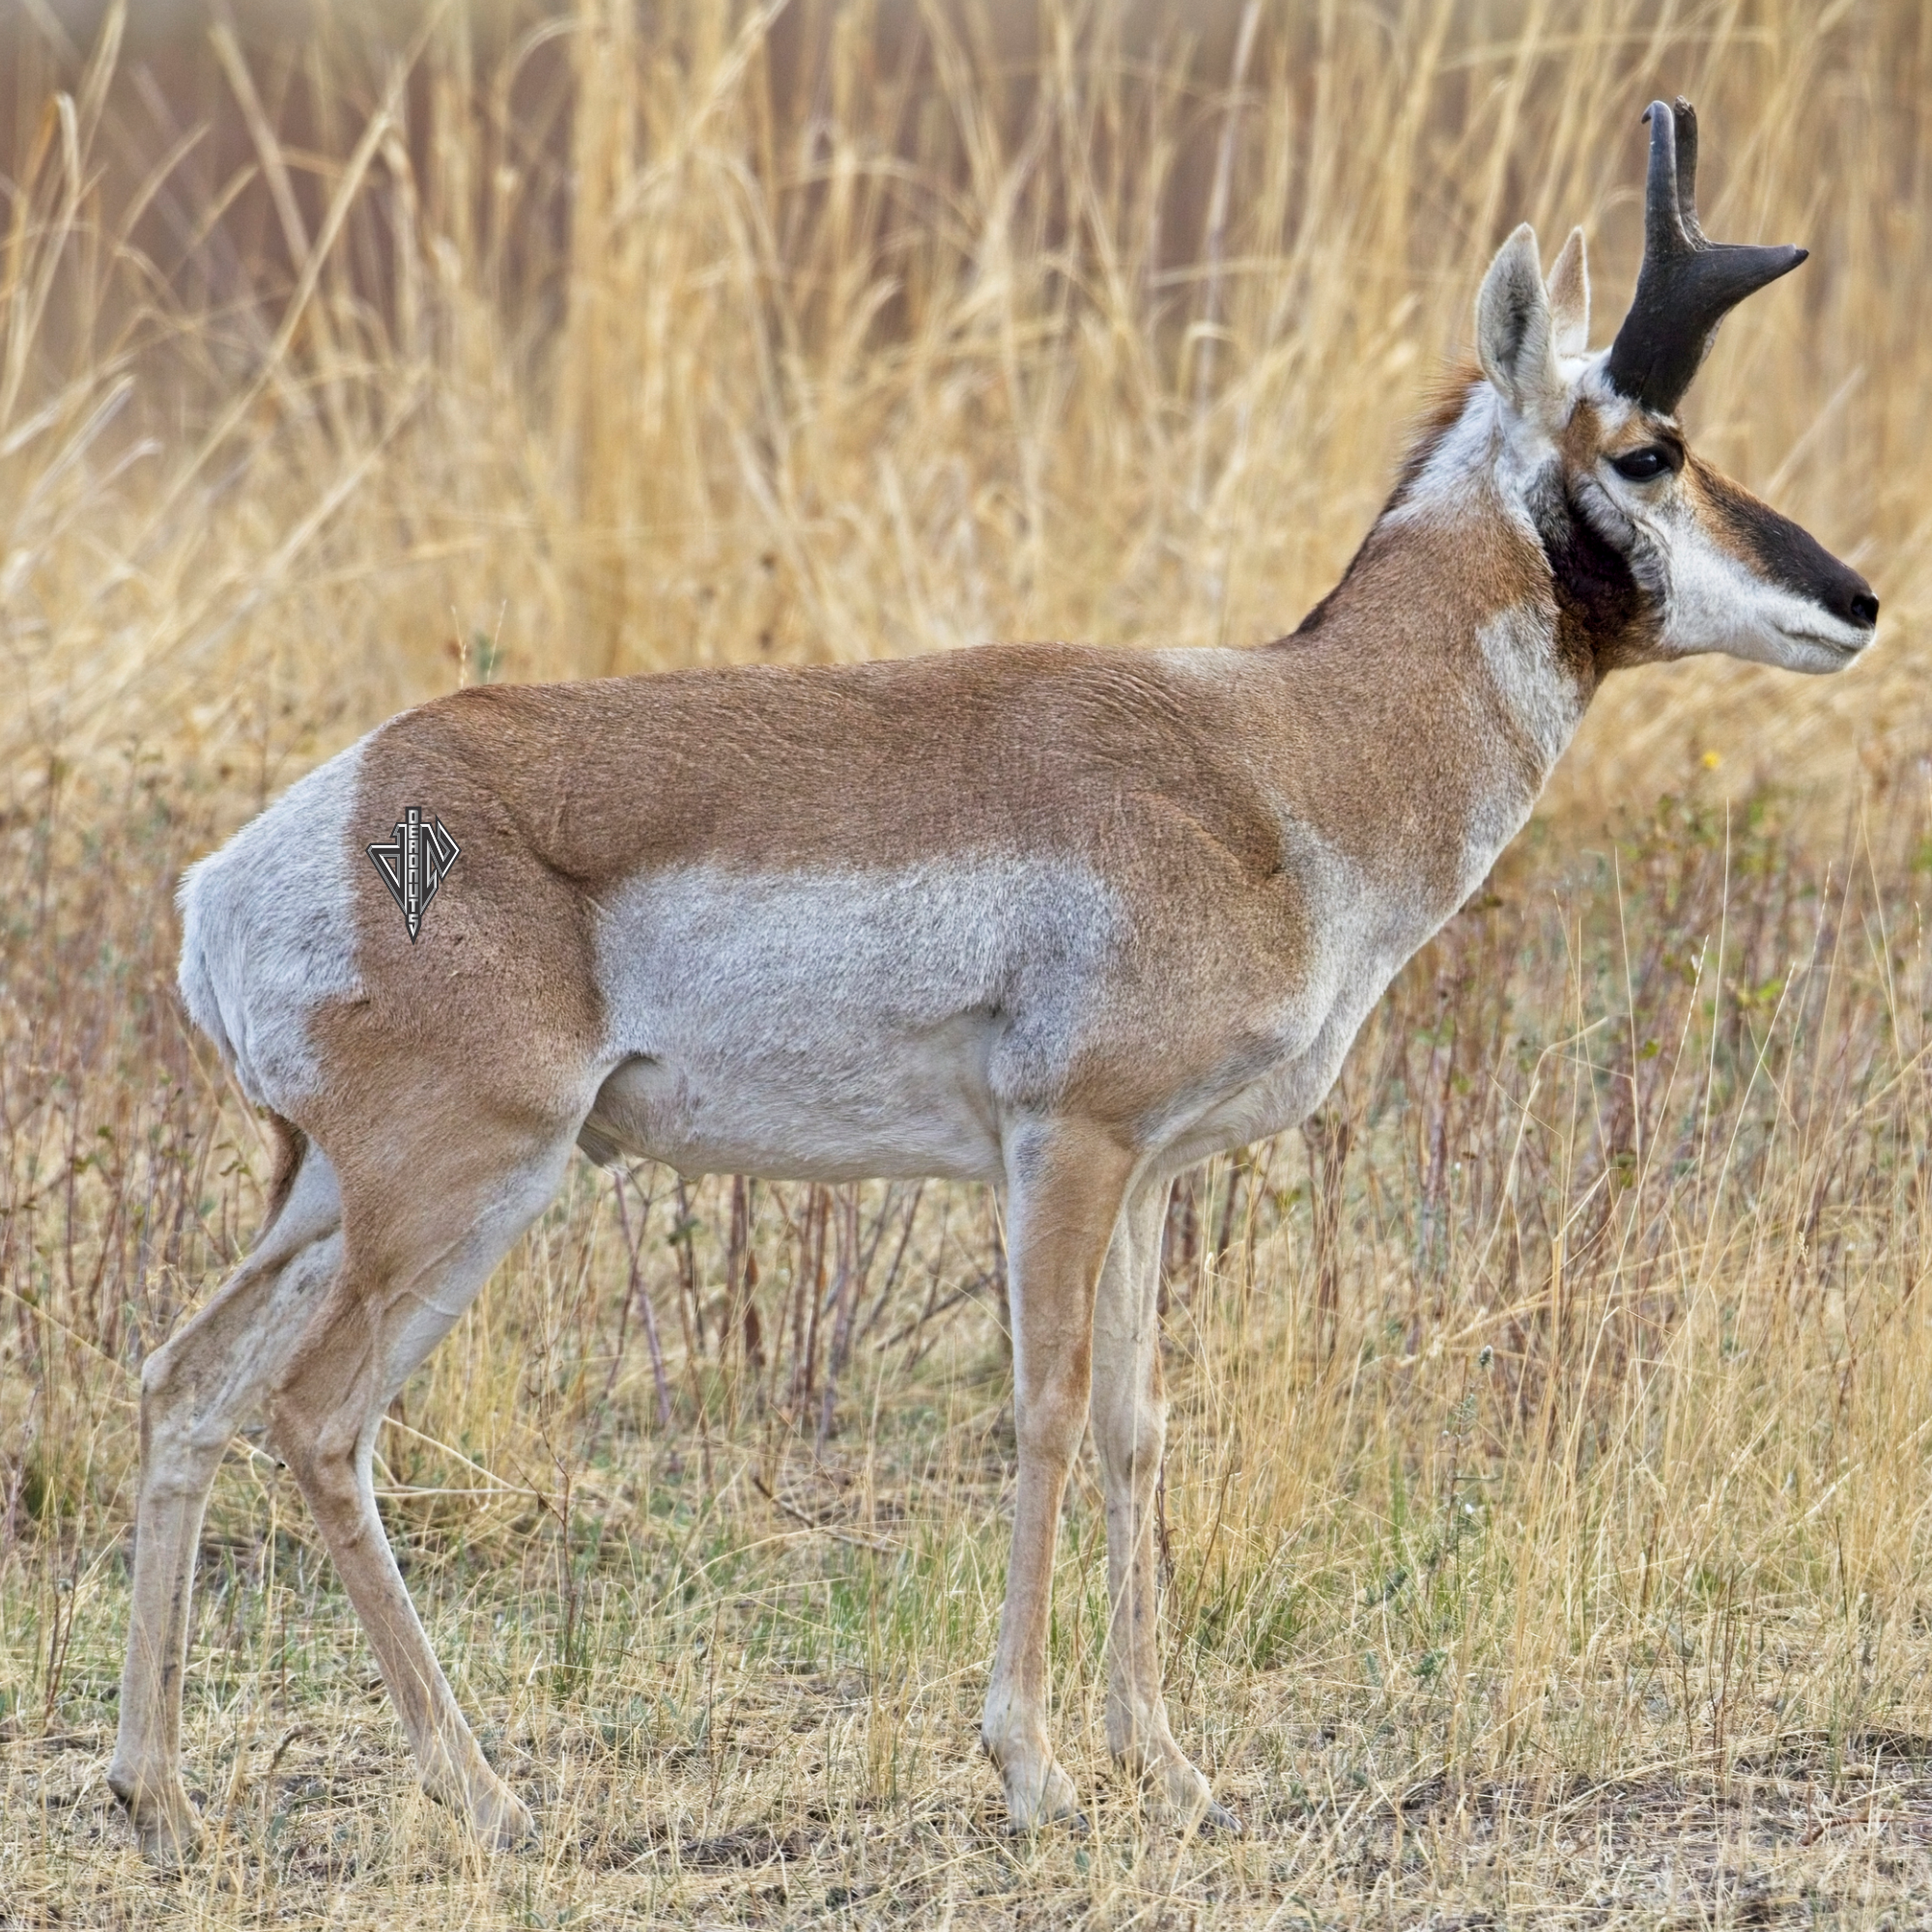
196, 1390
414, 1259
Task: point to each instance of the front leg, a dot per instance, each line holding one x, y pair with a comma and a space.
1130, 1433
1065, 1180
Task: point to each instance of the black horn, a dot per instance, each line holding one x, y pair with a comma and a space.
1688, 284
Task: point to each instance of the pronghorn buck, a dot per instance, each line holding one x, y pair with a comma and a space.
1064, 920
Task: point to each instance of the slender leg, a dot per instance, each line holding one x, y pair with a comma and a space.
412, 1268
1065, 1180
196, 1390
1130, 1409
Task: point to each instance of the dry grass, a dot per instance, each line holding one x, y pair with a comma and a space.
1547, 1492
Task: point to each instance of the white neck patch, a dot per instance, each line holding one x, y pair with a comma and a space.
1486, 460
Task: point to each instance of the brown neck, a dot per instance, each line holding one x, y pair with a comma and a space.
1426, 698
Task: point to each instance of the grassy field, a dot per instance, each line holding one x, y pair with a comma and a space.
1547, 1503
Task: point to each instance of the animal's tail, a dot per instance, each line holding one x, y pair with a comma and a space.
289, 1145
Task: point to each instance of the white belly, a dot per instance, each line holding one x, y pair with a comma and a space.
898, 1106
892, 1022
843, 1025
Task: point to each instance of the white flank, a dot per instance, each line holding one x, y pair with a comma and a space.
848, 1023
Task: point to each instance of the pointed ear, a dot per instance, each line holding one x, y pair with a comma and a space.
1515, 339
1570, 296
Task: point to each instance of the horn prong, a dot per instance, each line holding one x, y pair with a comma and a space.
1688, 284
1662, 222
1685, 116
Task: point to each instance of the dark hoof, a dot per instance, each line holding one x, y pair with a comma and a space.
1218, 1822
1073, 1823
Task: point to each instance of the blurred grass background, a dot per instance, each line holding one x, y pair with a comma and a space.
336, 338
1546, 1501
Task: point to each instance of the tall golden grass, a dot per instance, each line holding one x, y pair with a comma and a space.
1546, 1502
619, 348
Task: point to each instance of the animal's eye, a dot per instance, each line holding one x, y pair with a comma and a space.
1642, 465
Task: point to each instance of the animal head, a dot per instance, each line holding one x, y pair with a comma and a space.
1653, 553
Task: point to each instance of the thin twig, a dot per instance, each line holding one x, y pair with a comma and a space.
796, 1515
642, 1295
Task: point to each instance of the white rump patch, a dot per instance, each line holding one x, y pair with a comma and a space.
844, 1023
268, 933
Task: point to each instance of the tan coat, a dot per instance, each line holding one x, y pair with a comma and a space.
1064, 919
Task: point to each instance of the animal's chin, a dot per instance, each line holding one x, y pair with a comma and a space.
1826, 653
1809, 653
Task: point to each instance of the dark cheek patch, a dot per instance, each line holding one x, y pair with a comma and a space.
1603, 613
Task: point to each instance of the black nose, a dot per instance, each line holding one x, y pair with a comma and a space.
1844, 592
